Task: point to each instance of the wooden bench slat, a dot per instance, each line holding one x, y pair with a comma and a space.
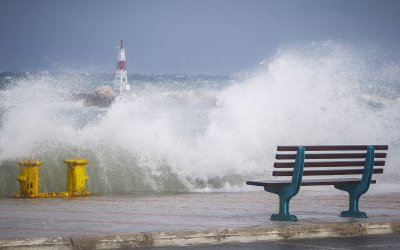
326, 172
327, 164
332, 147
329, 156
332, 182
308, 182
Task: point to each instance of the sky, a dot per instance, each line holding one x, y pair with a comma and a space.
180, 36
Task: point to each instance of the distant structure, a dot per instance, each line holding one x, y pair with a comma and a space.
121, 76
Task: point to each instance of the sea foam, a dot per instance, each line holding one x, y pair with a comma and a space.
212, 138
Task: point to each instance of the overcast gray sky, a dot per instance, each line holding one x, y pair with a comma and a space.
180, 36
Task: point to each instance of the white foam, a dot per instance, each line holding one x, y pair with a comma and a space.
167, 139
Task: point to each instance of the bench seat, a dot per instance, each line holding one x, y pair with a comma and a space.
317, 182
347, 167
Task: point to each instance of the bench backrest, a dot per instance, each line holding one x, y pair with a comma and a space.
333, 160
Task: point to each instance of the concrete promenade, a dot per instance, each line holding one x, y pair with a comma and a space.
105, 222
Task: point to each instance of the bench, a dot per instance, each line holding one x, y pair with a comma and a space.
347, 167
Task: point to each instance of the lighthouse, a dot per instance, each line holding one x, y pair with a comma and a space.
121, 76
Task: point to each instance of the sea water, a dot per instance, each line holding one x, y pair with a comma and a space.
184, 133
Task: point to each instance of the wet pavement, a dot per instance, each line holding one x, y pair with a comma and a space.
381, 242
100, 215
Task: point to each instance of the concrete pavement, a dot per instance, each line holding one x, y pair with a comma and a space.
379, 242
105, 222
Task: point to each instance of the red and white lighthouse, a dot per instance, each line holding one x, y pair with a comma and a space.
121, 76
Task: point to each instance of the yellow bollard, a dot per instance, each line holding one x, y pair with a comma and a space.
28, 179
76, 177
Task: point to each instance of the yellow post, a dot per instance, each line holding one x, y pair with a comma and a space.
28, 179
76, 177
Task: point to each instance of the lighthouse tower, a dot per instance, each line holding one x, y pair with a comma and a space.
121, 76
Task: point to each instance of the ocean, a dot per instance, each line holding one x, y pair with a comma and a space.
199, 133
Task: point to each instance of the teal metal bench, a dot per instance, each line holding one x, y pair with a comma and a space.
346, 167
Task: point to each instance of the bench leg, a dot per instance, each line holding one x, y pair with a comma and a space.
284, 214
353, 208
287, 192
355, 191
